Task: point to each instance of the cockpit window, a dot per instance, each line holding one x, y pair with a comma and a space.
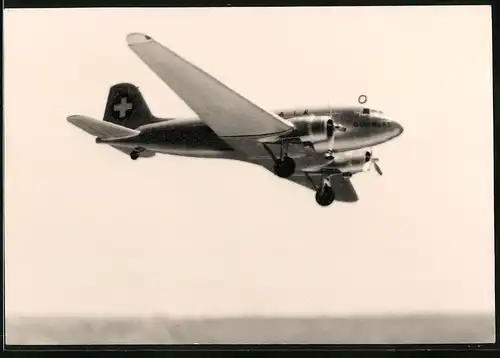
373, 112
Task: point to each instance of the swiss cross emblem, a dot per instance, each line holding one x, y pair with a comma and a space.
122, 108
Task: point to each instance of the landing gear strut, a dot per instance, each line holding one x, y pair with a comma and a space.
325, 195
284, 166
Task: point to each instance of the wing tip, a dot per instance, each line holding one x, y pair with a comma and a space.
74, 118
137, 38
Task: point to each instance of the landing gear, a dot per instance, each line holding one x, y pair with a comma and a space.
325, 195
134, 155
284, 166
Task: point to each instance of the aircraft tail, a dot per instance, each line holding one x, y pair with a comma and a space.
126, 107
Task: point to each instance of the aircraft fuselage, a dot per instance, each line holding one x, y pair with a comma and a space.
193, 138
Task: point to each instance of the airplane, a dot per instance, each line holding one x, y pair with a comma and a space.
318, 148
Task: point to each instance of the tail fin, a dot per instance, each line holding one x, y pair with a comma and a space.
126, 107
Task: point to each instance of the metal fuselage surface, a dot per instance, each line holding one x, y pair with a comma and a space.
193, 138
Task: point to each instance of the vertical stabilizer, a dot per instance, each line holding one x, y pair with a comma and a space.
126, 107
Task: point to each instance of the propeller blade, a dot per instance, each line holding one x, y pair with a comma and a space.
377, 168
329, 152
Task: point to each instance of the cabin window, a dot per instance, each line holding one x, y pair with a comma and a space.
366, 111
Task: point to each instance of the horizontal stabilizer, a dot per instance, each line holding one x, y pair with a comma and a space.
143, 154
100, 129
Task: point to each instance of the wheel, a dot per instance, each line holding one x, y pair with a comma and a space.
325, 196
285, 168
134, 155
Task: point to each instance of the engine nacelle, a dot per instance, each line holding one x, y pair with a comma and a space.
360, 157
313, 128
353, 162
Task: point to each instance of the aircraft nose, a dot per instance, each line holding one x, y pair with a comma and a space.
392, 129
397, 128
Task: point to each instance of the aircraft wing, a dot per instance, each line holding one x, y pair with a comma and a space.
344, 190
221, 108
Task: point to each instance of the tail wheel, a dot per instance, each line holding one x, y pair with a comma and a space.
134, 155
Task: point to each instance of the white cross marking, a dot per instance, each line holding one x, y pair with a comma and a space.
122, 107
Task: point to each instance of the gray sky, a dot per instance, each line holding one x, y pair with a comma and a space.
90, 232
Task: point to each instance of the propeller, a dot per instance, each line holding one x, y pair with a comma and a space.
362, 99
373, 162
329, 151
336, 127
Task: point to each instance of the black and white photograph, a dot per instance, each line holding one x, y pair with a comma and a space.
293, 175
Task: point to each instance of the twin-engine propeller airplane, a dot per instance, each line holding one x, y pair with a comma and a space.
319, 148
